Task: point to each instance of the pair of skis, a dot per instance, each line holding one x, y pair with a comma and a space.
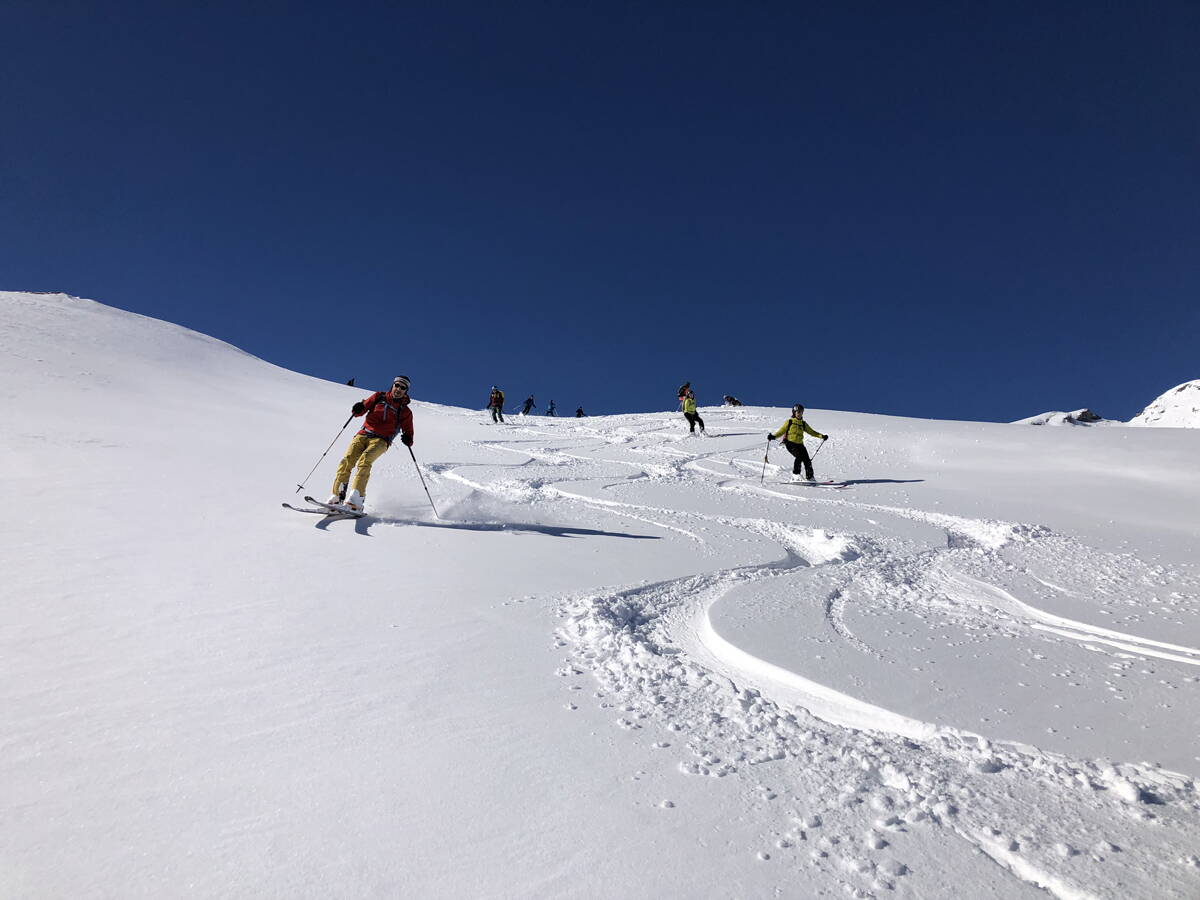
330, 510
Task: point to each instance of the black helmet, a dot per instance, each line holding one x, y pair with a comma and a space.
798, 410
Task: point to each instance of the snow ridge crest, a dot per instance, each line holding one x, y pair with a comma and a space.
1177, 408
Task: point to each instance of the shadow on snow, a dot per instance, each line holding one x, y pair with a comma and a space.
363, 526
881, 481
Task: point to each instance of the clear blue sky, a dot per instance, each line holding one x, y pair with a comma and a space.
953, 210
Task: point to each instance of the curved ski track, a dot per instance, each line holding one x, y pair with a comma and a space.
847, 783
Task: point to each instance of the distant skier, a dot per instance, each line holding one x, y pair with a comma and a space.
550, 409
350, 383
793, 442
387, 414
579, 413
732, 401
496, 404
689, 412
528, 405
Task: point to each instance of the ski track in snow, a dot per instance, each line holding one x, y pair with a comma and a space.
851, 782
866, 694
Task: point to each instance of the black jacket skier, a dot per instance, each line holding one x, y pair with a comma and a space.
496, 404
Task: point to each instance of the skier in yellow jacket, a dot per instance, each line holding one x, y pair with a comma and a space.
795, 429
689, 411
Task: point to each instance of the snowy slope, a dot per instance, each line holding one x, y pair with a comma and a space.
618, 665
1176, 408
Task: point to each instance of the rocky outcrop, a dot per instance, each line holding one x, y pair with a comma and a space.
1077, 417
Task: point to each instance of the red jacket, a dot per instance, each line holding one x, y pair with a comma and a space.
386, 417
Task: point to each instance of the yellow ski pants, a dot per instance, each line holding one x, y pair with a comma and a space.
362, 452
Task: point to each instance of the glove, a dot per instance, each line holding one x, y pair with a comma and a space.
770, 436
406, 440
824, 437
358, 409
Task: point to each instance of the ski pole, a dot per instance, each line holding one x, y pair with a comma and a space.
823, 440
423, 484
300, 486
766, 453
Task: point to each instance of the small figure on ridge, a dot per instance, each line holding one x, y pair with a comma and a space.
496, 404
689, 411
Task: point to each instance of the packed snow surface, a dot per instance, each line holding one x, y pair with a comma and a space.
1177, 408
621, 661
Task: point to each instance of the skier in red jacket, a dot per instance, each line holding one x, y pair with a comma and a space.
387, 414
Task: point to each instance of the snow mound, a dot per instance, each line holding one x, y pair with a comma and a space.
1076, 417
1177, 408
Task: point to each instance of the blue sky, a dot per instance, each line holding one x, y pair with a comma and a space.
976, 211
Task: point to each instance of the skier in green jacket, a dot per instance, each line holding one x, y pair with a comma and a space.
795, 429
689, 411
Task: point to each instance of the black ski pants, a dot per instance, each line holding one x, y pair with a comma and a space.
694, 420
497, 414
802, 458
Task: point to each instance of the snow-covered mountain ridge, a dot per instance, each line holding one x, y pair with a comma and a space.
1077, 417
623, 661
1177, 408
